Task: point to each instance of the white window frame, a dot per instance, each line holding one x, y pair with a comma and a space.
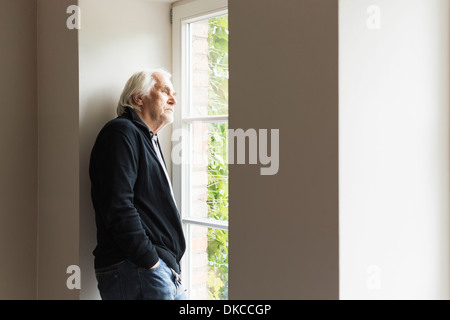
183, 13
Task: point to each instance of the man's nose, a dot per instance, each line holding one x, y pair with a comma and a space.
172, 100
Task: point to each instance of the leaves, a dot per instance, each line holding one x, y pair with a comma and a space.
218, 65
218, 157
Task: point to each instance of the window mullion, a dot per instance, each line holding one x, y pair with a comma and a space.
223, 118
210, 223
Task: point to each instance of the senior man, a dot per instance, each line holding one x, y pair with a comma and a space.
140, 238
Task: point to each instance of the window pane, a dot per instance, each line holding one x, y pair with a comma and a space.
209, 67
209, 263
209, 170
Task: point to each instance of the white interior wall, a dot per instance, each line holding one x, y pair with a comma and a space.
394, 149
117, 38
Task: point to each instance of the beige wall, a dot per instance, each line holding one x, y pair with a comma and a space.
284, 75
283, 229
70, 116
58, 220
18, 140
111, 49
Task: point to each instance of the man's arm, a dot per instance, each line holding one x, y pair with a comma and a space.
114, 171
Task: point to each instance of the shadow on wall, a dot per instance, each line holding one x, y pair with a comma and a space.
98, 110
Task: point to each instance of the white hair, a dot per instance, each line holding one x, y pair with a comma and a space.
140, 83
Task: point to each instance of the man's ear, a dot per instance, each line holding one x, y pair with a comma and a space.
138, 100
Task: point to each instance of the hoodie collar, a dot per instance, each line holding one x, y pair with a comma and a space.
131, 114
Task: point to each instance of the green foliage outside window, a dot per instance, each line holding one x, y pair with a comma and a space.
218, 157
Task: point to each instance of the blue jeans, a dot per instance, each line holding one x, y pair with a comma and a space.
126, 281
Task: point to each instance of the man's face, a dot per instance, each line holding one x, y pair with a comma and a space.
160, 101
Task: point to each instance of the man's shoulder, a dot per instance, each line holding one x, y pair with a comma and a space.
119, 125
118, 129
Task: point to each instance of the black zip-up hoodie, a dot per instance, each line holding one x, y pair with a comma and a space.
136, 216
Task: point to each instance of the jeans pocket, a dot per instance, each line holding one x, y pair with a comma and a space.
152, 270
157, 284
110, 285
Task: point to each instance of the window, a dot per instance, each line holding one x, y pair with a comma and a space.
200, 136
